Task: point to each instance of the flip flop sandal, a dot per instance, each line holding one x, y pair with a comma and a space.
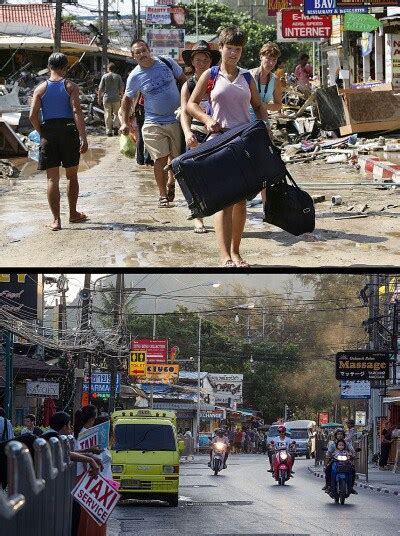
242, 264
170, 192
81, 219
229, 264
200, 230
55, 228
163, 202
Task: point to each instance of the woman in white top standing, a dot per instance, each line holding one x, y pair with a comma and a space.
230, 98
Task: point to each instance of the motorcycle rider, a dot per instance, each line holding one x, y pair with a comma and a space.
283, 442
220, 437
338, 435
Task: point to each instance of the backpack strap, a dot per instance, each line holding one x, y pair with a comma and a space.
167, 63
248, 77
213, 77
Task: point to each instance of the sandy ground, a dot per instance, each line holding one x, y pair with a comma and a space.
127, 229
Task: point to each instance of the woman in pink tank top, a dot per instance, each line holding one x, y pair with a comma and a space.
230, 99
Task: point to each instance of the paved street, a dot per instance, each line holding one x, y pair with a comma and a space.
245, 500
126, 229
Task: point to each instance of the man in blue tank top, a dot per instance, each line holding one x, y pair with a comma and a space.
62, 136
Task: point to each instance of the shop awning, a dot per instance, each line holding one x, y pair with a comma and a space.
391, 400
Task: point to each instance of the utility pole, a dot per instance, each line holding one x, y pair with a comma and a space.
374, 404
118, 308
104, 41
84, 325
8, 391
134, 19
57, 27
139, 33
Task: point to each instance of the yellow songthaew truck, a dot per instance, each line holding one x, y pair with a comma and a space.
145, 454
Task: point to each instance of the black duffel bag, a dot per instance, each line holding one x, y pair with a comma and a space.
289, 207
231, 167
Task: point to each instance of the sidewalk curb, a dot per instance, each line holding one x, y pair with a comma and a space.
359, 484
380, 168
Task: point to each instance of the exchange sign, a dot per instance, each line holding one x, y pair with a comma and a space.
137, 363
329, 7
296, 25
362, 365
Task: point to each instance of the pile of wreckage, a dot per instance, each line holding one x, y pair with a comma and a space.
337, 125
15, 98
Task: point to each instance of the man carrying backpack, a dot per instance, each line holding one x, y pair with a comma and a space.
156, 78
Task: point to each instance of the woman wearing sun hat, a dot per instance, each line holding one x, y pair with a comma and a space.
200, 58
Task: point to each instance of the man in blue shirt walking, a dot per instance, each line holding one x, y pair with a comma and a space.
157, 80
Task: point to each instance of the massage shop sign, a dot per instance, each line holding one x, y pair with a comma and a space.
96, 496
362, 365
227, 386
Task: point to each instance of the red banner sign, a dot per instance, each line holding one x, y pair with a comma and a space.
323, 418
273, 6
157, 349
299, 26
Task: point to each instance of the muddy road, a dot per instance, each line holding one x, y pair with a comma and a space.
127, 229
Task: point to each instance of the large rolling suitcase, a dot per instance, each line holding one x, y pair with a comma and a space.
228, 168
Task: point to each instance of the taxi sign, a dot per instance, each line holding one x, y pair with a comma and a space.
137, 363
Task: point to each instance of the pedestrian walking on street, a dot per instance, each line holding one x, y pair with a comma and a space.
111, 90
156, 78
386, 443
200, 58
232, 91
62, 136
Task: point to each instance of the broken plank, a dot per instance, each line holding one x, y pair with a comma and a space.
352, 217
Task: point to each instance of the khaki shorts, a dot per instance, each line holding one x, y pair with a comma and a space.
162, 140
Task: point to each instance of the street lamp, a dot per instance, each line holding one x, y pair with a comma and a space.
214, 285
244, 306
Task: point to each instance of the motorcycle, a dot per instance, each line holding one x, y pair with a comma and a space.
218, 457
341, 478
282, 465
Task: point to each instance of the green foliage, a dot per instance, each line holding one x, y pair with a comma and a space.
213, 16
284, 347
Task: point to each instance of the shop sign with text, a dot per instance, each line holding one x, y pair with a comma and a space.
369, 3
156, 349
355, 390
273, 6
329, 7
362, 365
158, 15
227, 386
296, 25
162, 373
137, 363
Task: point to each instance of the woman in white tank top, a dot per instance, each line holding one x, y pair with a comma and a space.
230, 99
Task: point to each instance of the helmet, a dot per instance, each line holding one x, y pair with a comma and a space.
338, 430
281, 429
